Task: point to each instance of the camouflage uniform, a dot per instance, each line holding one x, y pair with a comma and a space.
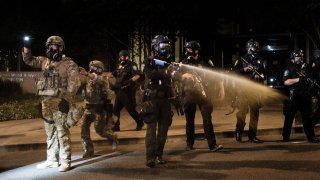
96, 111
57, 86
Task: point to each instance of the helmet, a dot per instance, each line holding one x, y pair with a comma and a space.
96, 64
192, 44
296, 53
297, 56
191, 48
123, 53
156, 46
252, 46
159, 39
316, 53
55, 40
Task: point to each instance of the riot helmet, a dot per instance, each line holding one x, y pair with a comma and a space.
316, 57
161, 46
55, 47
192, 48
296, 56
96, 66
123, 56
252, 46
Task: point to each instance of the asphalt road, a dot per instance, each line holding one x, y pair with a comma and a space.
272, 159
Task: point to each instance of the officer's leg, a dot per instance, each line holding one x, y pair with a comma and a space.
150, 142
288, 120
206, 110
104, 128
52, 138
118, 105
241, 121
190, 111
52, 142
86, 141
253, 125
64, 143
308, 125
165, 120
131, 108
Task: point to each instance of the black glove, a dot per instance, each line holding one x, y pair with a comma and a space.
27, 43
64, 106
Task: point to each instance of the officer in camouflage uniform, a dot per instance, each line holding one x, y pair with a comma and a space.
57, 87
98, 107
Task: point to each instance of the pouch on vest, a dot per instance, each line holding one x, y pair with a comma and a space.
147, 112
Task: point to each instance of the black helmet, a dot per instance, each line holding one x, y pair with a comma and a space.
297, 56
192, 44
252, 46
159, 39
316, 53
159, 50
123, 53
296, 53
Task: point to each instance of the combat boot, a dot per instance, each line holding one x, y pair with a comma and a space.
139, 126
115, 143
160, 160
238, 136
88, 154
65, 166
216, 148
116, 128
151, 163
48, 164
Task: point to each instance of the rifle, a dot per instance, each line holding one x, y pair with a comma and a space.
309, 80
254, 68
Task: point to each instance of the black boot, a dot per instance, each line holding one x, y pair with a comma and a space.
238, 136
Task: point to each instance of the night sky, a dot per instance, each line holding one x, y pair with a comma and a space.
97, 29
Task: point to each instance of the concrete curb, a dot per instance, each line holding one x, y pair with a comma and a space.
140, 140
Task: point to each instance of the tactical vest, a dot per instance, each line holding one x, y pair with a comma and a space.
95, 93
54, 79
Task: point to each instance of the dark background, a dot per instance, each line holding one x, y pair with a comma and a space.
97, 29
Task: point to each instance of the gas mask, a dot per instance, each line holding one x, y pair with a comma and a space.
123, 60
164, 50
53, 52
297, 60
191, 52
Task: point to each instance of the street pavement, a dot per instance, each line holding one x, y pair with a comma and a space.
29, 134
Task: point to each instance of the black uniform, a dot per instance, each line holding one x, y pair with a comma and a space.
300, 100
157, 109
125, 91
195, 93
315, 91
254, 105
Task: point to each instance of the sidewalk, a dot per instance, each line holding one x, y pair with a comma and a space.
29, 134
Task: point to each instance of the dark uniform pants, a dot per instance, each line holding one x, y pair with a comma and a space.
126, 100
302, 104
156, 134
254, 117
206, 108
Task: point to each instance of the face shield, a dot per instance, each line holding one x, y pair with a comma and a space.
297, 60
164, 49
